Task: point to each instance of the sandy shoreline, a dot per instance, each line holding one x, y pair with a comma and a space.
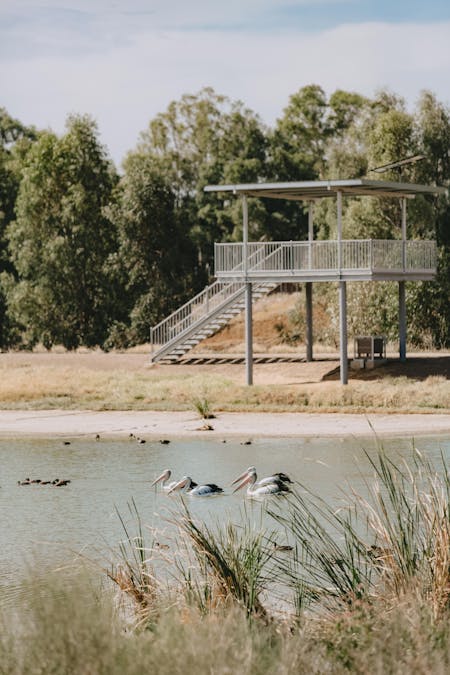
157, 425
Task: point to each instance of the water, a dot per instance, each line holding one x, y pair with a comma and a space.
45, 526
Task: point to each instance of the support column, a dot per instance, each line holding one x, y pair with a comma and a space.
249, 333
309, 327
402, 320
342, 298
309, 288
343, 331
248, 296
402, 291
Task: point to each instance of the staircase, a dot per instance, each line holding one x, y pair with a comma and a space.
200, 318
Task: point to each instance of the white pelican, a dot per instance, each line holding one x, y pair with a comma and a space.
186, 484
254, 489
279, 477
164, 477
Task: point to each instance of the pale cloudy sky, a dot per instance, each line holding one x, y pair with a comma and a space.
123, 61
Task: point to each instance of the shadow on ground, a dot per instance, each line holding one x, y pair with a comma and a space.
415, 368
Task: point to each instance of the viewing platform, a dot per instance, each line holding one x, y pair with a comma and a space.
247, 270
345, 260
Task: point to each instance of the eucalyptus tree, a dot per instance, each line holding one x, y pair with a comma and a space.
155, 258
15, 139
61, 239
430, 301
206, 139
309, 129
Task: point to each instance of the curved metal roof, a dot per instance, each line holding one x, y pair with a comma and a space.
307, 190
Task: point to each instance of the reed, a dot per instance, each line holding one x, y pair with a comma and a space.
134, 573
232, 564
392, 543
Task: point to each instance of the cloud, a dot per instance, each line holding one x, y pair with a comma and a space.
126, 85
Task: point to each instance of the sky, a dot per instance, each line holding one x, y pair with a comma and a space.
124, 61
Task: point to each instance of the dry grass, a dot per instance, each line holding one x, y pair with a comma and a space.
93, 380
66, 629
67, 385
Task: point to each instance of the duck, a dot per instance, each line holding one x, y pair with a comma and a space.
285, 548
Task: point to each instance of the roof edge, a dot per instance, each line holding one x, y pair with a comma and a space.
303, 189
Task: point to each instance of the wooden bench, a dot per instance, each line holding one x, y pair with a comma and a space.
370, 347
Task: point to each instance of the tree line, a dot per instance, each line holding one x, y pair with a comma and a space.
92, 257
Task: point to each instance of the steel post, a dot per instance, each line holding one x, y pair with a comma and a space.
343, 331
248, 333
402, 320
309, 321
248, 296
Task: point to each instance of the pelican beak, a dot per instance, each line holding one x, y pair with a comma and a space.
241, 477
246, 477
177, 486
161, 477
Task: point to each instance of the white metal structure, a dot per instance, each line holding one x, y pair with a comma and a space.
199, 318
247, 270
362, 260
339, 260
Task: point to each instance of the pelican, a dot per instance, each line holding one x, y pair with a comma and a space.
279, 477
164, 477
186, 484
254, 489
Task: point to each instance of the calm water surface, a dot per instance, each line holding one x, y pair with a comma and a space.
45, 526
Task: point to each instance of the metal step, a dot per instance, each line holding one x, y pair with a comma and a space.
207, 324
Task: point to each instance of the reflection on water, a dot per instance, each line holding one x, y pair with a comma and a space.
46, 526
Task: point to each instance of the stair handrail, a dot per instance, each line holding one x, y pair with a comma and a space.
182, 318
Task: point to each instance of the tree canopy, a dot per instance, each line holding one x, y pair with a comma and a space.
88, 257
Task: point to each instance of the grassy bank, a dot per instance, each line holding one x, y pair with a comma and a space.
62, 633
65, 386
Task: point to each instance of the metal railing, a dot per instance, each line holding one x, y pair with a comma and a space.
354, 254
204, 303
200, 306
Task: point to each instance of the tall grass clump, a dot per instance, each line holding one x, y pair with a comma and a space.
391, 544
134, 573
202, 405
224, 564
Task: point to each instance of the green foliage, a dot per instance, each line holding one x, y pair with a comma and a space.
232, 565
199, 140
60, 241
15, 140
155, 257
84, 261
202, 405
360, 295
